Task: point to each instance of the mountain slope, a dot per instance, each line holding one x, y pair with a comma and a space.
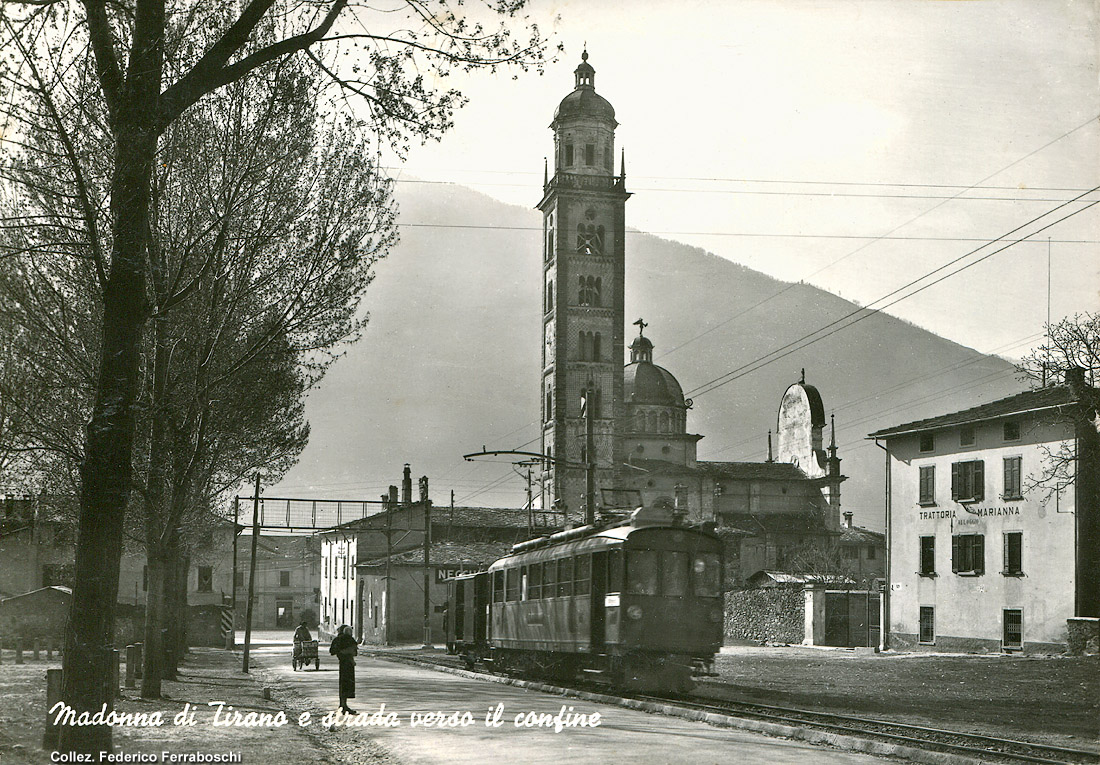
450, 359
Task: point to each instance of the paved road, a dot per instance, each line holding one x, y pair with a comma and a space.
622, 735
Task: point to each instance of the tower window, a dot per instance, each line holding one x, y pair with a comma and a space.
549, 297
589, 154
549, 405
588, 290
568, 154
589, 346
589, 239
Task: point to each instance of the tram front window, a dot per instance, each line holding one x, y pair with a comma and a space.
642, 571
707, 575
674, 573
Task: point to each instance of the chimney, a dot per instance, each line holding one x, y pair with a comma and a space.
406, 485
393, 496
848, 519
423, 488
1075, 376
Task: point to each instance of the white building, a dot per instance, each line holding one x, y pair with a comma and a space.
979, 557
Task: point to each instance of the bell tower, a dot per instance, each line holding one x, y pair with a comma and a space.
583, 208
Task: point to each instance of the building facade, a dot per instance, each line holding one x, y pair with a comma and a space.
983, 553
636, 417
584, 259
359, 558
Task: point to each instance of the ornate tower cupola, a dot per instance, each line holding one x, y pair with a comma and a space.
641, 349
583, 207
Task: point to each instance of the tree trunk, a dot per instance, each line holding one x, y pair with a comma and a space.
152, 666
106, 472
108, 454
170, 634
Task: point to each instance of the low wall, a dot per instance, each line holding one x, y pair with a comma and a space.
1083, 635
907, 641
770, 615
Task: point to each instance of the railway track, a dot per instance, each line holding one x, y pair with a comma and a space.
980, 747
916, 736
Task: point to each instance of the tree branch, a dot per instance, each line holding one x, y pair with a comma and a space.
106, 60
211, 71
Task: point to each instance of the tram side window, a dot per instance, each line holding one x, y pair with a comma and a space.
524, 593
565, 576
706, 575
511, 586
584, 574
674, 573
550, 579
534, 581
498, 586
642, 571
615, 570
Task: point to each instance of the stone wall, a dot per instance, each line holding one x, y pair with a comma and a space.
770, 615
1083, 635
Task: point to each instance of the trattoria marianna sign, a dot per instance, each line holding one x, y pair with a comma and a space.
980, 512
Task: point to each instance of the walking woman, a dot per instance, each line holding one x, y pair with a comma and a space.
344, 648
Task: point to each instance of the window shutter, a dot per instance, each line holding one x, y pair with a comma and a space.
979, 479
956, 553
978, 540
954, 480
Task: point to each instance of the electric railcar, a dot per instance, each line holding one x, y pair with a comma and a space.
637, 604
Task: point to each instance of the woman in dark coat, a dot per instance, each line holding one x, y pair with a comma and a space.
344, 648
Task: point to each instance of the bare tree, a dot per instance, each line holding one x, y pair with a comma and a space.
1070, 356
139, 92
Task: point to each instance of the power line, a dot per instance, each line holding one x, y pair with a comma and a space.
869, 311
742, 234
764, 192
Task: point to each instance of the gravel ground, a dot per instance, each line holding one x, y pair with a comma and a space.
1053, 700
207, 675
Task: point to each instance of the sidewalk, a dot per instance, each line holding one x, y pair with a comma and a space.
207, 675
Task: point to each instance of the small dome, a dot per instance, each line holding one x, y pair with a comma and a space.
584, 101
646, 383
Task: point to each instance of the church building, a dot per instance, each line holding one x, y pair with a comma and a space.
631, 422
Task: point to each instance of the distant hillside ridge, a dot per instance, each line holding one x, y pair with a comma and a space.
449, 361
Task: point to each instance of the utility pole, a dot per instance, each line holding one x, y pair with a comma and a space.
389, 569
252, 570
427, 561
590, 462
530, 508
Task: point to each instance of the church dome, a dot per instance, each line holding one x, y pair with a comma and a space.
646, 383
584, 101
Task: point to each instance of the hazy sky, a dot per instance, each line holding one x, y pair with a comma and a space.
855, 145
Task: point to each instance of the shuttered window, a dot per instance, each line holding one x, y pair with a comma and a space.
928, 485
1014, 553
968, 481
927, 556
1013, 486
968, 554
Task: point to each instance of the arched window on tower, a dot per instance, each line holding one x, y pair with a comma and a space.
597, 402
549, 296
550, 236
589, 239
549, 405
596, 356
584, 345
